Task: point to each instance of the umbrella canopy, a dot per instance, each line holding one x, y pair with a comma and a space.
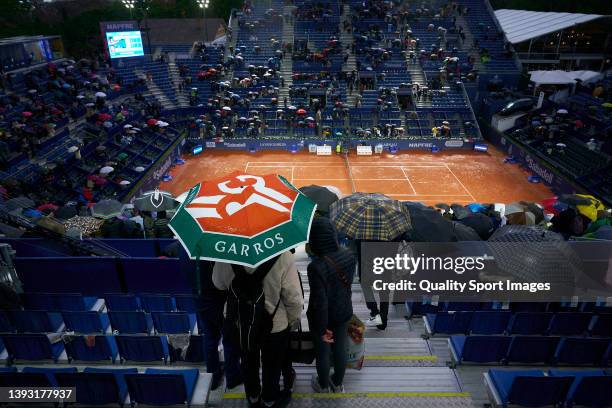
460, 211
106, 209
370, 217
301, 112
480, 223
26, 114
100, 95
152, 122
464, 233
104, 116
534, 254
428, 225
156, 201
106, 170
320, 195
19, 202
243, 219
586, 205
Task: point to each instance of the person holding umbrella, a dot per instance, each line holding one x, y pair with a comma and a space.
330, 275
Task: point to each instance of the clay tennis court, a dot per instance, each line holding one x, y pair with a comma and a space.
446, 177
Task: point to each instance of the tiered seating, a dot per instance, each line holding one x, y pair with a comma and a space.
536, 388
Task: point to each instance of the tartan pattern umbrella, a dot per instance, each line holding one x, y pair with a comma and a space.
242, 219
370, 217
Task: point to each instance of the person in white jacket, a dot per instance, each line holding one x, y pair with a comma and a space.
281, 287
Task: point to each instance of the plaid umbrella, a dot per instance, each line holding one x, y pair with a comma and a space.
370, 217
534, 254
106, 209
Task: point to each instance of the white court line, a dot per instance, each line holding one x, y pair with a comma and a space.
352, 166
292, 168
396, 163
408, 180
459, 181
246, 167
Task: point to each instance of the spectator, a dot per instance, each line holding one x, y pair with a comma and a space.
283, 302
330, 275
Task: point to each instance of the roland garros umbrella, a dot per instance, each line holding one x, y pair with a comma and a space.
370, 217
242, 219
156, 201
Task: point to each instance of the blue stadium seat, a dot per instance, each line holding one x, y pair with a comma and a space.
532, 349
189, 303
120, 302
142, 348
157, 303
529, 388
577, 351
173, 322
162, 387
479, 349
49, 372
602, 325
448, 322
5, 323
118, 373
570, 323
590, 388
489, 322
530, 323
8, 369
14, 379
86, 322
97, 388
130, 322
31, 347
58, 301
36, 321
420, 308
92, 348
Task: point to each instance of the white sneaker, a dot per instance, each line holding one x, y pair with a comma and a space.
314, 382
374, 321
337, 389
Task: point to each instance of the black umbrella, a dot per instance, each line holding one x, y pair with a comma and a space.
464, 233
428, 225
19, 202
574, 200
536, 210
66, 212
480, 223
321, 196
156, 201
460, 211
534, 254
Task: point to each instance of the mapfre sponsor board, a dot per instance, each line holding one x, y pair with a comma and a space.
364, 150
325, 150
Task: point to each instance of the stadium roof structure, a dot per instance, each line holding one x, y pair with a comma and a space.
522, 25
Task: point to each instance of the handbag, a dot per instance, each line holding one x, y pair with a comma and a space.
301, 347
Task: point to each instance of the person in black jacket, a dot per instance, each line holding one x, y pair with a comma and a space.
330, 275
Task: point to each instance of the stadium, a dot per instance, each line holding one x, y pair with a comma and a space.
309, 203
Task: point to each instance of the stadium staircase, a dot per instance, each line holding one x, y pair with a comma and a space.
176, 79
346, 39
401, 369
286, 70
467, 44
155, 91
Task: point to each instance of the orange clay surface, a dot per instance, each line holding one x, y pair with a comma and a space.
446, 177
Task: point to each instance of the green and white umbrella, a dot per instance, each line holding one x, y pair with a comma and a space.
242, 219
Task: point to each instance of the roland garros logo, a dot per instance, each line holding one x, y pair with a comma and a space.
243, 205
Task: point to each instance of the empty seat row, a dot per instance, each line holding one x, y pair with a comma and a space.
160, 349
427, 306
98, 386
536, 388
526, 323
92, 322
531, 350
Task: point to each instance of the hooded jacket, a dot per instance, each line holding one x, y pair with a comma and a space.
282, 281
330, 275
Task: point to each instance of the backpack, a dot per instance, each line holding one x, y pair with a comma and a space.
246, 314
